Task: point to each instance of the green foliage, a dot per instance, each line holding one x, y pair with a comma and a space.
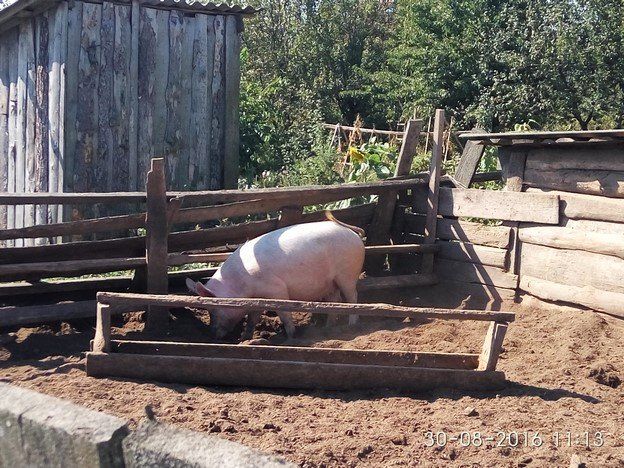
498, 64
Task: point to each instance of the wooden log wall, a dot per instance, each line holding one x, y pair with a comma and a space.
473, 262
581, 259
91, 91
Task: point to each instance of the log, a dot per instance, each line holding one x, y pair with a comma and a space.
285, 374
81, 227
492, 346
579, 206
102, 340
493, 204
156, 245
292, 353
592, 182
433, 193
398, 281
12, 316
573, 267
611, 303
464, 231
468, 163
379, 232
591, 226
475, 273
472, 253
607, 157
129, 302
574, 239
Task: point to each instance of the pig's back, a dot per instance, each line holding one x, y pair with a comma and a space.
306, 256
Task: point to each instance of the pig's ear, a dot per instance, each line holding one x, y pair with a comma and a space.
190, 284
203, 290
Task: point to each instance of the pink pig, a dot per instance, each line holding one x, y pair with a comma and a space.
319, 261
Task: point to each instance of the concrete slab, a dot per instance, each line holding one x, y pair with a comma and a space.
39, 430
155, 444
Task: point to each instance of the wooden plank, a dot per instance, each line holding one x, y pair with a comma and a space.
82, 227
397, 281
603, 158
87, 135
200, 122
102, 340
122, 91
594, 182
492, 346
468, 163
464, 295
379, 232
133, 118
12, 124
12, 316
4, 123
204, 176
217, 130
129, 302
603, 301
573, 267
433, 193
300, 194
12, 272
300, 354
285, 374
493, 204
475, 273
56, 107
177, 97
586, 134
74, 31
460, 230
30, 131
103, 164
156, 243
148, 56
162, 38
402, 248
231, 165
580, 206
574, 239
43, 24
472, 253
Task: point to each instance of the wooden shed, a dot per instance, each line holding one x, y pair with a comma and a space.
90, 91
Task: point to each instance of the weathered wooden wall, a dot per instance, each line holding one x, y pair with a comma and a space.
90, 92
581, 260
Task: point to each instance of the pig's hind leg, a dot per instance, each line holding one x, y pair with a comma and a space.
348, 290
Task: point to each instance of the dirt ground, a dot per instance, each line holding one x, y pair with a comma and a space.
565, 369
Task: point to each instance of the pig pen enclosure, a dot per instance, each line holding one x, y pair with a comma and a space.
437, 267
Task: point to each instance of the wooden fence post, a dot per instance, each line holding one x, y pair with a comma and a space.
381, 225
101, 342
156, 244
492, 346
434, 189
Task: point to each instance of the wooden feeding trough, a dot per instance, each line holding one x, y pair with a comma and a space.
293, 367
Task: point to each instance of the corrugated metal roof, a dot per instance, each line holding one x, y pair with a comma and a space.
11, 8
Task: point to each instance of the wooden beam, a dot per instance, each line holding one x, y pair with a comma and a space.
102, 340
464, 231
472, 253
285, 374
574, 239
475, 273
609, 302
156, 243
592, 182
396, 281
379, 232
582, 206
468, 163
433, 193
492, 346
12, 316
585, 134
292, 353
494, 204
129, 302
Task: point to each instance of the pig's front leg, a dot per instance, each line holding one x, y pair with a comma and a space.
252, 320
